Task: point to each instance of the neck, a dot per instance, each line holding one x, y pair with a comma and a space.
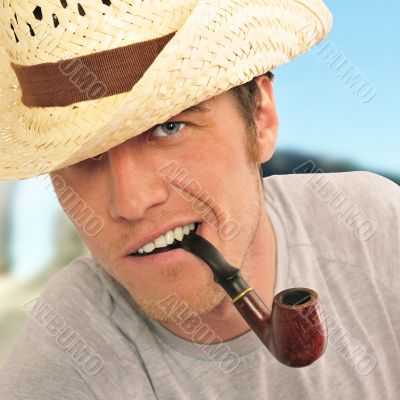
225, 321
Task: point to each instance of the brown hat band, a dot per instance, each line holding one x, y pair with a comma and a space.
89, 77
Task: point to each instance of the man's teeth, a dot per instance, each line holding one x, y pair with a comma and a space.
168, 238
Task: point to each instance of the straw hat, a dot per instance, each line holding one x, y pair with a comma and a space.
80, 77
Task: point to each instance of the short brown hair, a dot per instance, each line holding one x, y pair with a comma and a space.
247, 96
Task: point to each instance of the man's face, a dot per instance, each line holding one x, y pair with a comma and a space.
132, 193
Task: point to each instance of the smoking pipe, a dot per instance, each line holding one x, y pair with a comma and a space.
294, 332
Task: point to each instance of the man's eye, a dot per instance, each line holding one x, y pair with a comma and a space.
168, 129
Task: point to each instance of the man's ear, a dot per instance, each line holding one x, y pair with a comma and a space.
266, 119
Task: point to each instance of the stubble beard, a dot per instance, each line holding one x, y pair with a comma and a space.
208, 295
180, 305
189, 298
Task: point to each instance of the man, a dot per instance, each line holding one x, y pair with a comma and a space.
180, 150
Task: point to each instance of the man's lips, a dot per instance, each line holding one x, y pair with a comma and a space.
175, 245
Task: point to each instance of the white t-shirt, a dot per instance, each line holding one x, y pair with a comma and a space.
338, 234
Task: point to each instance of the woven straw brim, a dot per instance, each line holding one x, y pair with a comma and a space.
213, 51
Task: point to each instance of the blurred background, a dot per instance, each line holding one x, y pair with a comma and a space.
338, 106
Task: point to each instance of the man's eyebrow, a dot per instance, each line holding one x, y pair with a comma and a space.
196, 108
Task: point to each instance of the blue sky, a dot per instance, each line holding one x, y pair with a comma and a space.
318, 115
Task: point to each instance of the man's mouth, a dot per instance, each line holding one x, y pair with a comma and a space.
160, 245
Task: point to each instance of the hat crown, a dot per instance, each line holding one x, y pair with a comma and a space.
43, 31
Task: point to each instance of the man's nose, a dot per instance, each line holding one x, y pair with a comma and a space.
135, 184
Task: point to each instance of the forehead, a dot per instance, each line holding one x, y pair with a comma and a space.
200, 108
209, 105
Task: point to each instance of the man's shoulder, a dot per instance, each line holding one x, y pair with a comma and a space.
85, 296
76, 284
72, 337
357, 180
336, 190
348, 207
351, 218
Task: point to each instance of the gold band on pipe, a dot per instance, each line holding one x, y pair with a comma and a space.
241, 294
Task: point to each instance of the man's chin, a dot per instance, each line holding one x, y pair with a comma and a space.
174, 298
176, 307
